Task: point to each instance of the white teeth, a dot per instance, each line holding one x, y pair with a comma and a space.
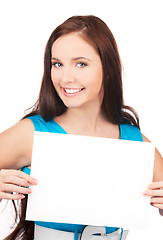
72, 90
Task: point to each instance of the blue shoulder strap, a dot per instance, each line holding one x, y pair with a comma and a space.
130, 132
41, 125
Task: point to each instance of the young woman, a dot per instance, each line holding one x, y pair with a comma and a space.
81, 93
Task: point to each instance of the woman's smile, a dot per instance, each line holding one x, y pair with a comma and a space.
72, 91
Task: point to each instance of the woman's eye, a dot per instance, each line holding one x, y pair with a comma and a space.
81, 64
57, 64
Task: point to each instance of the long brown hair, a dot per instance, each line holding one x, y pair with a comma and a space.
24, 229
49, 104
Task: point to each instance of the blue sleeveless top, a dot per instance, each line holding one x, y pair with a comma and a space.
127, 132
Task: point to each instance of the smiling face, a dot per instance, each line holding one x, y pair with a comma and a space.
76, 71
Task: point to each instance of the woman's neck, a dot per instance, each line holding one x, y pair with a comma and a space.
88, 121
85, 119
86, 116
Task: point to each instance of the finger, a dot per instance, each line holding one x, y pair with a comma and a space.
14, 188
23, 175
160, 206
153, 193
157, 200
16, 180
155, 185
29, 178
9, 196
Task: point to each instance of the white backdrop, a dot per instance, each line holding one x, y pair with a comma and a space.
137, 26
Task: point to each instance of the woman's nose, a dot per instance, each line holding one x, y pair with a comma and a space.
68, 76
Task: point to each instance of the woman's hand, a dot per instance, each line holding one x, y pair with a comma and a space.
15, 181
155, 191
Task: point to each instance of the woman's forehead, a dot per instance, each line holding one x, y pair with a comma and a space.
72, 43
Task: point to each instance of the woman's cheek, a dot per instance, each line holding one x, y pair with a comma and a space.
55, 77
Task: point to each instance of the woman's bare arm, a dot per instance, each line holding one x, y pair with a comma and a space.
158, 164
155, 189
16, 145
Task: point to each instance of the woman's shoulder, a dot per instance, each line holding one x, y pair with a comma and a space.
21, 128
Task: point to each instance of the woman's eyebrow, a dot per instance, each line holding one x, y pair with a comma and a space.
56, 59
74, 59
78, 58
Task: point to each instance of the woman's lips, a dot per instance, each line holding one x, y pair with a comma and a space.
72, 91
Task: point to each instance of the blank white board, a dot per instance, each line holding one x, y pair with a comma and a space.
90, 180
